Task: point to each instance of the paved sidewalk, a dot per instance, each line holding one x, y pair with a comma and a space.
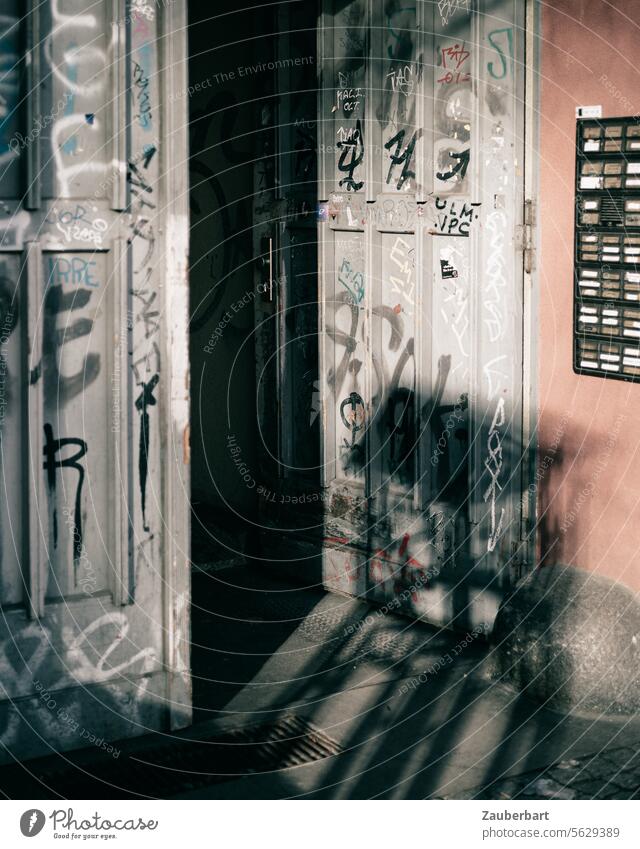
610, 774
305, 694
412, 709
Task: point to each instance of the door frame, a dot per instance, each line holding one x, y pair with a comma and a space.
173, 66
530, 293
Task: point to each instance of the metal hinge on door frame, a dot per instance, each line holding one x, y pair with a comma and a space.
521, 549
524, 235
519, 561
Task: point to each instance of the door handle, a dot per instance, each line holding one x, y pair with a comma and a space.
267, 263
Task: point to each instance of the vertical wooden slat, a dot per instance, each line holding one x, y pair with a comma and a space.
421, 328
118, 129
424, 269
372, 286
325, 125
499, 334
326, 136
321, 98
37, 522
530, 307
34, 109
477, 412
423, 49
175, 406
371, 135
120, 441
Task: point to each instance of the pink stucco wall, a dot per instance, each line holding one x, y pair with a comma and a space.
589, 428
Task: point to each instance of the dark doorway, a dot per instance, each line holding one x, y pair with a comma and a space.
253, 333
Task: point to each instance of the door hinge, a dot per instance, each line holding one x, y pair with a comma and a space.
519, 560
524, 235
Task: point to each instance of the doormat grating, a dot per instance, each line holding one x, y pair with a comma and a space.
178, 767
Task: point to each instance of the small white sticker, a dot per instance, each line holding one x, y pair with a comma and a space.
589, 111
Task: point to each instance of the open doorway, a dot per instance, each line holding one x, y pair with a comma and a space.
358, 298
255, 437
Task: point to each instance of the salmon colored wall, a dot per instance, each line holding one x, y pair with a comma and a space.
588, 466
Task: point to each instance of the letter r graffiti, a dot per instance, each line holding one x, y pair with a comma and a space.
51, 465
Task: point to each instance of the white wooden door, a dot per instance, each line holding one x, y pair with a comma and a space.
94, 568
421, 183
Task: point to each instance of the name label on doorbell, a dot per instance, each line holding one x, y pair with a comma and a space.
588, 111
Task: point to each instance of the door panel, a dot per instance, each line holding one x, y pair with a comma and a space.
12, 428
290, 413
85, 243
421, 286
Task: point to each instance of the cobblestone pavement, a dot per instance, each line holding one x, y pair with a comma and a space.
610, 774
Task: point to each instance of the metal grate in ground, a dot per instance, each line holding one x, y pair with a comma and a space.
177, 767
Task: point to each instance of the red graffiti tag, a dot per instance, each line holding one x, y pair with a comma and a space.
453, 60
